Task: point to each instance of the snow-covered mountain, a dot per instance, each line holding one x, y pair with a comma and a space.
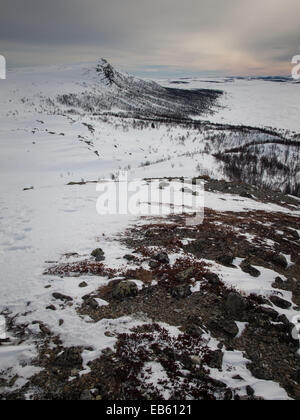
244, 134
112, 91
219, 299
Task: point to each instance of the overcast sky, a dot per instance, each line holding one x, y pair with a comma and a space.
155, 37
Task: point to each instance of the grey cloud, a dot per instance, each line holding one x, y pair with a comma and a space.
209, 35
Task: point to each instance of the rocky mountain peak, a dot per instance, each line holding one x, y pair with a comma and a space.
106, 70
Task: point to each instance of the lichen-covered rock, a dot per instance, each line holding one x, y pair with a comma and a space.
225, 259
83, 284
235, 305
92, 303
153, 264
162, 257
125, 289
249, 269
215, 359
60, 296
230, 328
181, 292
129, 257
185, 275
98, 254
280, 260
213, 279
281, 303
70, 359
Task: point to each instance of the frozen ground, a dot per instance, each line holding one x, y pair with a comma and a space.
46, 152
258, 103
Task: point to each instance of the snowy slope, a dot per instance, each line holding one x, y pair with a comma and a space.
45, 146
258, 103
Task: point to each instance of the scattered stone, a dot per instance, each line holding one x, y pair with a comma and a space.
44, 329
213, 279
107, 352
71, 254
153, 264
195, 360
281, 303
279, 282
83, 284
109, 334
246, 195
271, 313
229, 327
69, 359
61, 322
125, 289
250, 391
185, 275
74, 372
98, 254
92, 303
237, 378
235, 305
249, 269
197, 246
181, 292
218, 384
228, 395
60, 296
215, 359
260, 373
163, 258
51, 308
129, 257
282, 318
279, 260
194, 330
226, 259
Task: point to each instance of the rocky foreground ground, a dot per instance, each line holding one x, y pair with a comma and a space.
174, 276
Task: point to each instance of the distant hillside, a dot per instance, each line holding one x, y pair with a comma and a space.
113, 91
